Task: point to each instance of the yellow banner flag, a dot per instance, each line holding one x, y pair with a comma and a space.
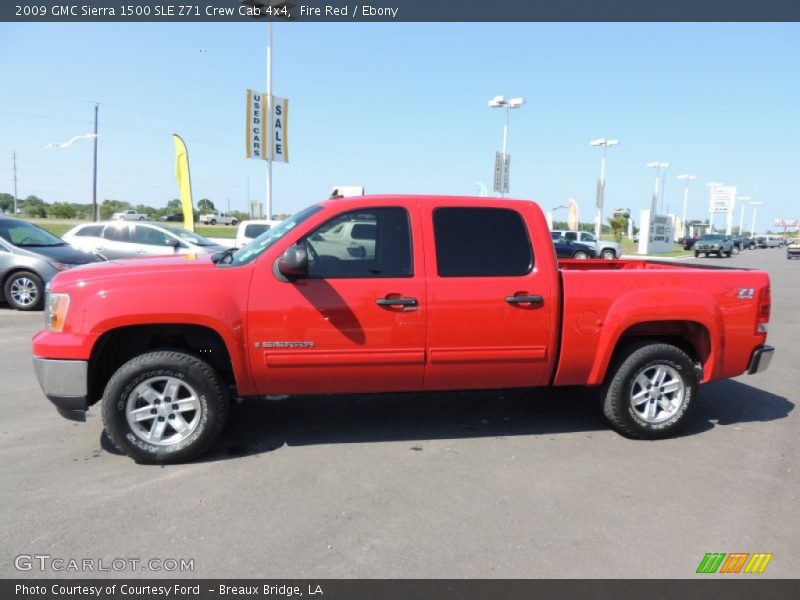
184, 181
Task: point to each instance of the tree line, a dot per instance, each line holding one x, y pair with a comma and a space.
33, 206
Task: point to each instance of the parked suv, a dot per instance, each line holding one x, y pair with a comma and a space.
602, 248
29, 258
712, 243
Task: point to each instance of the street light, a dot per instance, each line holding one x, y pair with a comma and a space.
753, 224
501, 102
657, 166
601, 184
743, 200
686, 179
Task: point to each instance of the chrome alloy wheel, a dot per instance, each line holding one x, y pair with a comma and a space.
657, 393
24, 292
163, 410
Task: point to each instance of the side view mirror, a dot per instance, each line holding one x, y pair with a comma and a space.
173, 242
293, 263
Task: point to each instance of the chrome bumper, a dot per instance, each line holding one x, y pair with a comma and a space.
760, 360
64, 382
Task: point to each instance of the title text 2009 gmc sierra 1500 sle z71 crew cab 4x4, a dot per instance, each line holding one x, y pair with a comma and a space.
447, 293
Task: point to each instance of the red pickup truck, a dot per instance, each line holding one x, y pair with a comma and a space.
420, 293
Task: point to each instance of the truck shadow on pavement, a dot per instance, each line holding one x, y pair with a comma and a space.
256, 427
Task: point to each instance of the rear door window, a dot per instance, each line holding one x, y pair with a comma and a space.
481, 242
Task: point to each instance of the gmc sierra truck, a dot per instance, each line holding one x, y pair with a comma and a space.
451, 293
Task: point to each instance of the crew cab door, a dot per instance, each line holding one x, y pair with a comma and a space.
491, 307
356, 322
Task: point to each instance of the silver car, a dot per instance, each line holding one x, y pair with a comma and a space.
127, 239
29, 258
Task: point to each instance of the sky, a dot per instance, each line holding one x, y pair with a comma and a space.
402, 108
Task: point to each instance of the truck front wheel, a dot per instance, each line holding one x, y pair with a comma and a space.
649, 390
164, 407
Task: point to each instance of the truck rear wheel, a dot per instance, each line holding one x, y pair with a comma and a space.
650, 390
608, 254
164, 407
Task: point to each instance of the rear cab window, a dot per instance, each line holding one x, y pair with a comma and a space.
481, 242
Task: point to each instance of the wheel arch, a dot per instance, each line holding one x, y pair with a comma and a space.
119, 345
692, 337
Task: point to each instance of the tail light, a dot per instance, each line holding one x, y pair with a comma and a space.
764, 308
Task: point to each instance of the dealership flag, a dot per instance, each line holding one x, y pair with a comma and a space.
184, 181
256, 135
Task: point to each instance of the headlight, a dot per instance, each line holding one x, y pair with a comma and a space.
61, 266
55, 312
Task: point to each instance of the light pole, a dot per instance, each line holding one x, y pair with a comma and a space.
686, 179
657, 166
753, 224
501, 102
601, 183
743, 200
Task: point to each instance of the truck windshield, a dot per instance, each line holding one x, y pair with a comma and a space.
255, 248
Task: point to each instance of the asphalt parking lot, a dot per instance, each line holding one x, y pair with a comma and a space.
518, 484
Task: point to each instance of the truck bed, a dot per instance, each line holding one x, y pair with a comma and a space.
605, 300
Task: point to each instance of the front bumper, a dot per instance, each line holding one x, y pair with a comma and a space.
64, 382
760, 359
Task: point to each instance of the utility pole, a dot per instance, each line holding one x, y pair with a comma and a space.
14, 158
94, 170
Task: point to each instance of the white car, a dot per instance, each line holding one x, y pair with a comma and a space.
120, 239
250, 230
603, 248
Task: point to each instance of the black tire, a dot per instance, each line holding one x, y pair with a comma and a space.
641, 358
580, 254
17, 297
213, 221
608, 254
141, 218
234, 222
168, 365
729, 253
696, 254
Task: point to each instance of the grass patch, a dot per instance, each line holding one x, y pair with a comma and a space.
59, 227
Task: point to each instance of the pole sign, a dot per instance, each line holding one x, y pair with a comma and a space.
785, 222
501, 168
600, 193
721, 199
573, 215
280, 130
256, 135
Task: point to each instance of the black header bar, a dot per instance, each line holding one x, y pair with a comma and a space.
186, 11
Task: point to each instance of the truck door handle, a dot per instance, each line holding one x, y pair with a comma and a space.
393, 301
532, 300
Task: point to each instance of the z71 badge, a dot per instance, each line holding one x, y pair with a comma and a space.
745, 293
